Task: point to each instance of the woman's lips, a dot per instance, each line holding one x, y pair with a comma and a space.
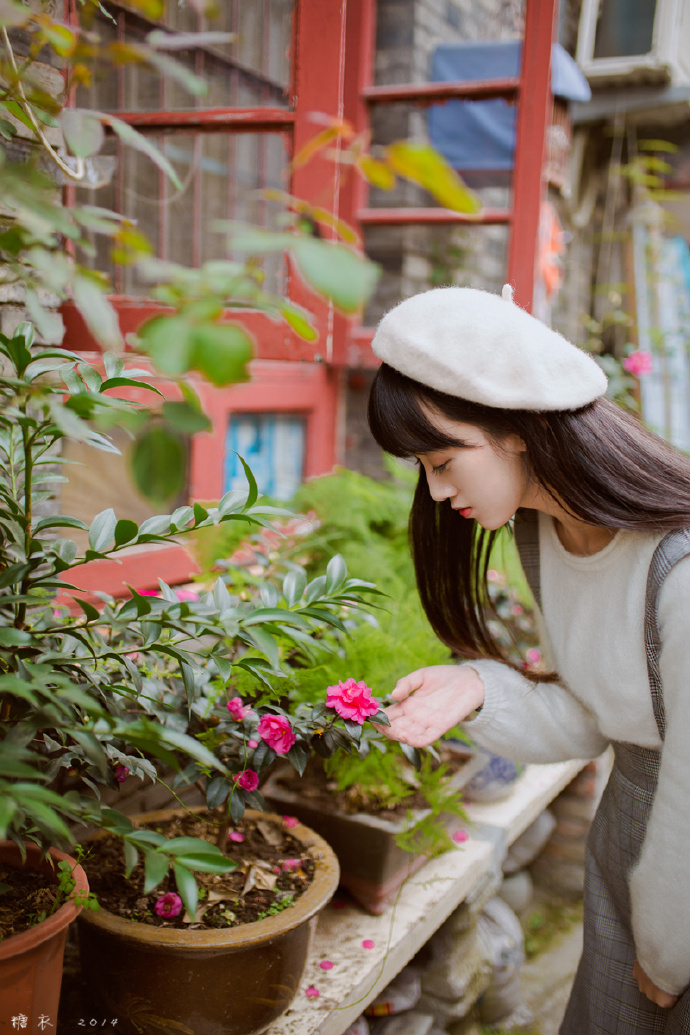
464, 511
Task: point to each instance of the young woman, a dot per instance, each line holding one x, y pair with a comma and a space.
505, 417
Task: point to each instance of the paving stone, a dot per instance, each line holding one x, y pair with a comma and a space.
412, 1022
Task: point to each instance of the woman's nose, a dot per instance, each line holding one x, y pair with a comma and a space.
439, 490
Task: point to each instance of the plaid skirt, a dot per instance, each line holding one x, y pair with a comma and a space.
605, 999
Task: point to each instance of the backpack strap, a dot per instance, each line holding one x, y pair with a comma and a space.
526, 532
672, 548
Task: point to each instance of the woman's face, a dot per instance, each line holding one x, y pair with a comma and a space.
481, 479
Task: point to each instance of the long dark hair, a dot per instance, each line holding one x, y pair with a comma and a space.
599, 462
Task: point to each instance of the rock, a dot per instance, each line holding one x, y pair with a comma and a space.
517, 891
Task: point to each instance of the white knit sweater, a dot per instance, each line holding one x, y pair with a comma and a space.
593, 634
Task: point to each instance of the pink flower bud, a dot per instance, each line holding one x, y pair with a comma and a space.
248, 780
121, 773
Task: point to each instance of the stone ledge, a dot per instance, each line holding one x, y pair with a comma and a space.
424, 903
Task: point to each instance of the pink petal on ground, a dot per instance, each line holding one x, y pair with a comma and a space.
460, 835
290, 821
368, 944
235, 835
326, 965
312, 992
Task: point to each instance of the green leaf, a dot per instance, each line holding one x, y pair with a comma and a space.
59, 521
99, 315
425, 166
91, 612
186, 418
128, 382
253, 490
83, 132
300, 321
336, 573
131, 857
156, 866
294, 585
159, 463
130, 136
125, 531
8, 807
207, 863
102, 530
236, 807
14, 637
186, 885
412, 755
217, 791
13, 13
221, 353
336, 272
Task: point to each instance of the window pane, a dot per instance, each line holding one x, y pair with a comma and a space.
251, 70
623, 28
222, 176
273, 445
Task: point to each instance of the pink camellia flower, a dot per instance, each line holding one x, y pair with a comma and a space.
290, 821
235, 835
252, 744
638, 363
186, 594
248, 780
169, 904
276, 731
532, 657
352, 700
121, 773
237, 709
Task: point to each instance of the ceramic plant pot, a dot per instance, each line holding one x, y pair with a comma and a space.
232, 982
372, 866
31, 962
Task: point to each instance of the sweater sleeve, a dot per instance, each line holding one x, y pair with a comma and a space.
531, 722
659, 884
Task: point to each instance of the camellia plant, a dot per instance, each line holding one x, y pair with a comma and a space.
90, 694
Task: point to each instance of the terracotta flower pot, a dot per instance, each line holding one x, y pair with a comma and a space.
235, 982
31, 962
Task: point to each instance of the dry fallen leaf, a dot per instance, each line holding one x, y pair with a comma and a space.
260, 879
269, 832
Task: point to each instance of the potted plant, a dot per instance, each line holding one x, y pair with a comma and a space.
141, 683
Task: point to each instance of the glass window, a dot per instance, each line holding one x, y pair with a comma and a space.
623, 28
273, 445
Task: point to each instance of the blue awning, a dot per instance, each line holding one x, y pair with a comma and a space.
480, 135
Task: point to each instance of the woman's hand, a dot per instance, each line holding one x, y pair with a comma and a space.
652, 991
431, 701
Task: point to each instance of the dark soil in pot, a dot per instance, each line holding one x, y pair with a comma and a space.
26, 896
272, 866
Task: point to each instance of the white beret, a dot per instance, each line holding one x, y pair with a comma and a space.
485, 348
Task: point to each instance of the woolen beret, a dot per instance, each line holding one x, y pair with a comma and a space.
485, 348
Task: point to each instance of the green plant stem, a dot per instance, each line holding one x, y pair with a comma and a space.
20, 619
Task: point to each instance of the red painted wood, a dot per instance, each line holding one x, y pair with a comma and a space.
404, 216
306, 389
237, 120
534, 112
273, 340
140, 567
432, 93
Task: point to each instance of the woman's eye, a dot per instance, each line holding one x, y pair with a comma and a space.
440, 469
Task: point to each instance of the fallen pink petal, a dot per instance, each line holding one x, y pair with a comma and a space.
326, 965
235, 835
292, 864
312, 992
290, 821
368, 944
460, 836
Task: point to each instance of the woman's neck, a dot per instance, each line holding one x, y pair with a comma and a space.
576, 536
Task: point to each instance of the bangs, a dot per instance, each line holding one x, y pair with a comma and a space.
397, 417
